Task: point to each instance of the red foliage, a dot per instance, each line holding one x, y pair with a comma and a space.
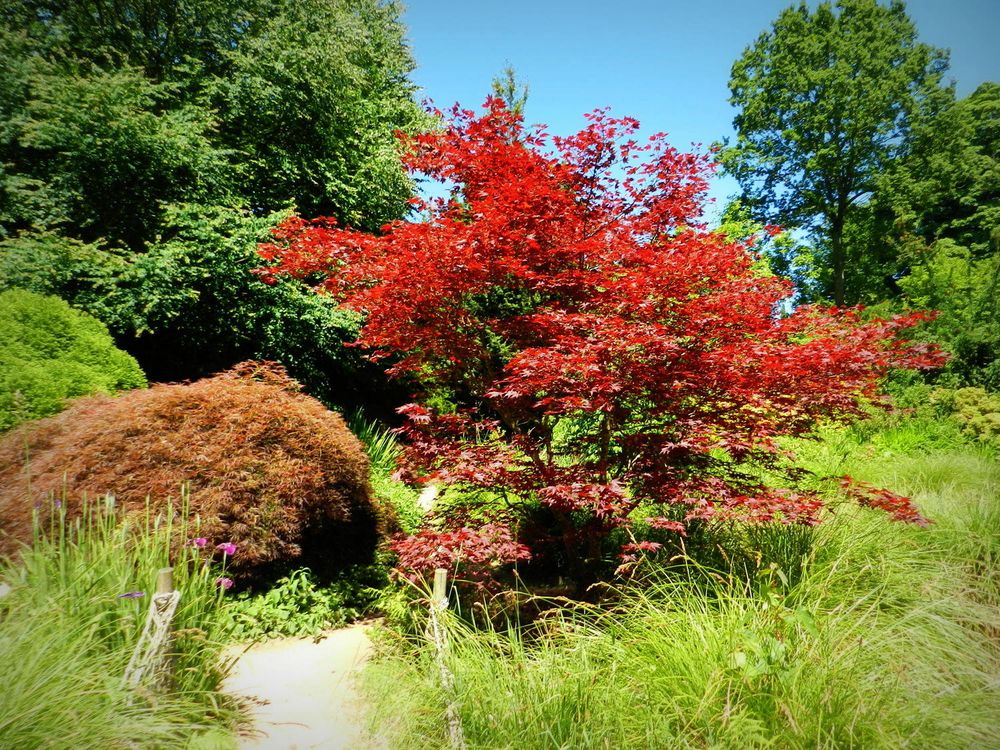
900, 508
472, 555
604, 349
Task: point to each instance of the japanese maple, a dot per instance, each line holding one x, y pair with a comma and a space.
597, 350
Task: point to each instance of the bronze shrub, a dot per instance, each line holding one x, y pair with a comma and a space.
270, 468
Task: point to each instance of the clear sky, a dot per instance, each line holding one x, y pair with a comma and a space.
664, 62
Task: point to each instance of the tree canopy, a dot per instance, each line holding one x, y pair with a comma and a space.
937, 212
146, 147
826, 102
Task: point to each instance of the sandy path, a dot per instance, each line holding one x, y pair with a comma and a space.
303, 693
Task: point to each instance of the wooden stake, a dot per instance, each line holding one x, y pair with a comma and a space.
440, 593
164, 580
438, 635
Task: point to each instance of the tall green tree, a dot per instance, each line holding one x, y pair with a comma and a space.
311, 103
111, 110
826, 99
514, 93
147, 145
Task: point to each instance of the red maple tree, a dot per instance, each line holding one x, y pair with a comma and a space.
598, 351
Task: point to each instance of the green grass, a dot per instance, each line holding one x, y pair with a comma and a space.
862, 633
383, 451
66, 638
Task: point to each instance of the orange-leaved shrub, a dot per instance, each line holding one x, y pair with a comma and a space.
271, 470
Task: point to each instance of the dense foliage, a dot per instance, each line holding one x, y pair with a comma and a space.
50, 352
145, 148
584, 343
938, 213
826, 102
112, 110
270, 469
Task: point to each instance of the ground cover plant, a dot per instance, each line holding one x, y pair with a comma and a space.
77, 605
587, 351
298, 605
50, 353
269, 468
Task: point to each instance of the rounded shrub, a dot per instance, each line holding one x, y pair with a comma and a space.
270, 469
50, 352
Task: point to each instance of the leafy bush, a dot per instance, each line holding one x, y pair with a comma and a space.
189, 305
298, 606
950, 278
975, 409
145, 147
78, 603
270, 468
50, 352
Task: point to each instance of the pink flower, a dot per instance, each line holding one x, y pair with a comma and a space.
227, 548
225, 583
198, 542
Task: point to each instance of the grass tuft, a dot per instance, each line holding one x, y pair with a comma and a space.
66, 635
861, 633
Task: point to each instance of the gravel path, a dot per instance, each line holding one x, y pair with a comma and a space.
303, 693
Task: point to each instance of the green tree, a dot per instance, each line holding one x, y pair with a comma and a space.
108, 110
312, 100
506, 86
948, 186
826, 101
98, 153
938, 212
146, 146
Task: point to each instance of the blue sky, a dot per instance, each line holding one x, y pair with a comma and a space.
666, 63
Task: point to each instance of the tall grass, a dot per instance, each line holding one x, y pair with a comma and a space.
883, 636
66, 635
383, 451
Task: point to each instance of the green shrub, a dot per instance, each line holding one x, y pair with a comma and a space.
50, 352
976, 410
298, 606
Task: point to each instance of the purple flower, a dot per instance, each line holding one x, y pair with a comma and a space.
198, 542
132, 595
227, 548
225, 583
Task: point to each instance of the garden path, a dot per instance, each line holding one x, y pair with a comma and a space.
302, 692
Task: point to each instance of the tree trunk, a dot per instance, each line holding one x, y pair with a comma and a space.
837, 257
